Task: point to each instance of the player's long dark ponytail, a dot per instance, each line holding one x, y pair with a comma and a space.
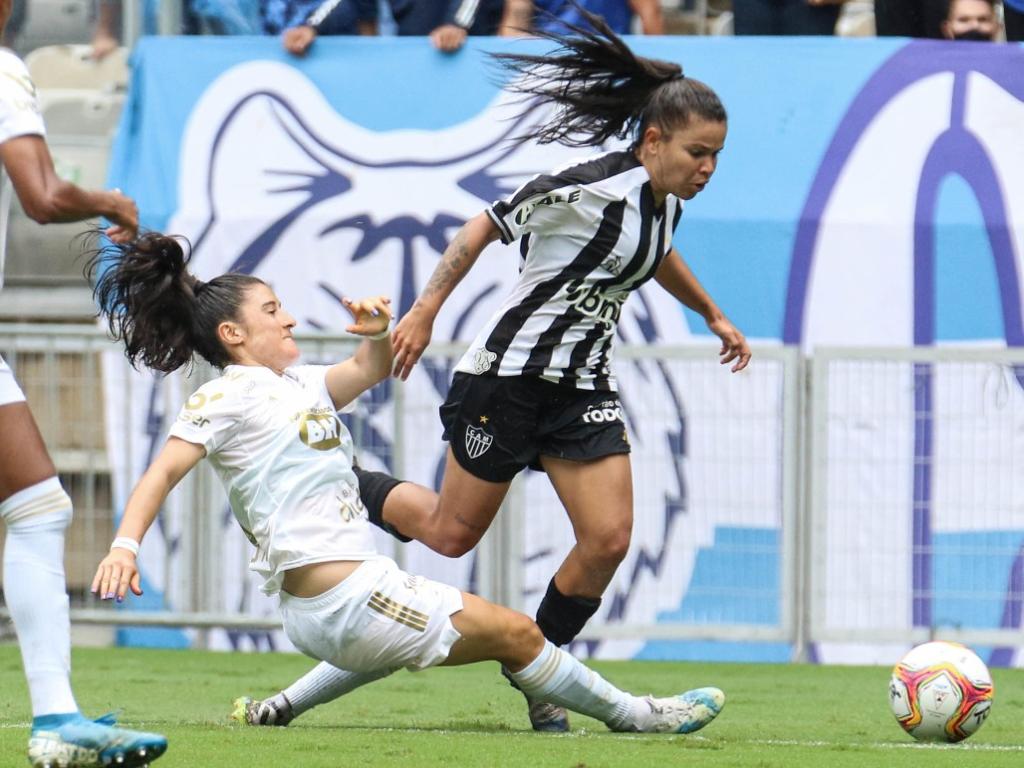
603, 89
164, 314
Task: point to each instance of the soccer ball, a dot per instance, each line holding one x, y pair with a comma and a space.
941, 692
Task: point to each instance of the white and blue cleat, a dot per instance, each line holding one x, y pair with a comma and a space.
685, 713
73, 741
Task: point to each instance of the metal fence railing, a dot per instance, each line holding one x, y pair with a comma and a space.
856, 496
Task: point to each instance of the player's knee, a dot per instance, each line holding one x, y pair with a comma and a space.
456, 543
607, 548
523, 639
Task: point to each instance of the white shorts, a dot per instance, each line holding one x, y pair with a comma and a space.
10, 392
380, 617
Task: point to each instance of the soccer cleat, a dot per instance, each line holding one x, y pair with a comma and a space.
685, 713
77, 742
276, 710
548, 718
544, 717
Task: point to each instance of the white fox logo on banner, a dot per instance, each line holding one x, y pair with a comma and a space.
276, 183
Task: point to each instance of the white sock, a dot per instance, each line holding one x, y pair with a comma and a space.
324, 683
36, 593
559, 678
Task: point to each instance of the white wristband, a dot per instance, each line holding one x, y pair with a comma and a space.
378, 336
123, 542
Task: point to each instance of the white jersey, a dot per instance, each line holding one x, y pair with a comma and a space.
19, 116
590, 234
286, 462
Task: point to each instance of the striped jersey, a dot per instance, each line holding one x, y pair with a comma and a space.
19, 116
590, 233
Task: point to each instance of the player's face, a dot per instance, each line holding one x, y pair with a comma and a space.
266, 331
683, 161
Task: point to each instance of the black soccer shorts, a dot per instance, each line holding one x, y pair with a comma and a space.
498, 425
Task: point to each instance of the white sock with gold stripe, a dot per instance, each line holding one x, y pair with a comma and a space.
559, 678
324, 683
36, 594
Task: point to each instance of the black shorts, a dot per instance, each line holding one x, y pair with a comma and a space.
498, 425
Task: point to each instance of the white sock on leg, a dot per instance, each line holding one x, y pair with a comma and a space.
559, 678
324, 683
36, 593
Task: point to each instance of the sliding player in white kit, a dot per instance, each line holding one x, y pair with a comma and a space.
34, 506
270, 430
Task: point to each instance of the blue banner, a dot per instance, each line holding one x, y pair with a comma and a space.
870, 193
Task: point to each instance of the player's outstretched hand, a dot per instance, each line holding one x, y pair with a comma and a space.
371, 316
734, 344
115, 574
411, 337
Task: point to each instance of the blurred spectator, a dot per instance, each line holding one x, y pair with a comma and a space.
447, 22
548, 15
971, 20
211, 17
334, 17
19, 9
785, 17
1013, 20
910, 18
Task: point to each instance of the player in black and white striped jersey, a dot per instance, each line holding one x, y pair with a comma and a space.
536, 387
530, 389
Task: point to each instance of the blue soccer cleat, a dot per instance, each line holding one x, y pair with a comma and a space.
685, 713
548, 718
73, 741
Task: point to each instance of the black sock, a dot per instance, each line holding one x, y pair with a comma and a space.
562, 617
374, 488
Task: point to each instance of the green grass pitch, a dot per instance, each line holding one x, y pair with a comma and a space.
775, 717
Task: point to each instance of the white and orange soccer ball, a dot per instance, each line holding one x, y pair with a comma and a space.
941, 692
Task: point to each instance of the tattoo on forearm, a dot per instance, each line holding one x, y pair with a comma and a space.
451, 267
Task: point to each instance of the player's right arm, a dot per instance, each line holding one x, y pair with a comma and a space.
118, 570
47, 198
412, 334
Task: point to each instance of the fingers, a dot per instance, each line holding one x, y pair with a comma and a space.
114, 578
371, 315
406, 356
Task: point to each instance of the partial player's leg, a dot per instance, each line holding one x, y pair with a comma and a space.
547, 673
37, 511
450, 523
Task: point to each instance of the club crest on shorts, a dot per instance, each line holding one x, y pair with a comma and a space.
477, 442
482, 360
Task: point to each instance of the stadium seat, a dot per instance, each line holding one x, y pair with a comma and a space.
72, 67
856, 19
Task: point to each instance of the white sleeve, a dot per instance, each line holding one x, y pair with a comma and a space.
210, 418
19, 108
545, 211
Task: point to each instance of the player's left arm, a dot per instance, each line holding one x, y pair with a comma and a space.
676, 277
371, 363
118, 570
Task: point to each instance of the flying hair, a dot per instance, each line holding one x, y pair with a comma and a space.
602, 89
163, 313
